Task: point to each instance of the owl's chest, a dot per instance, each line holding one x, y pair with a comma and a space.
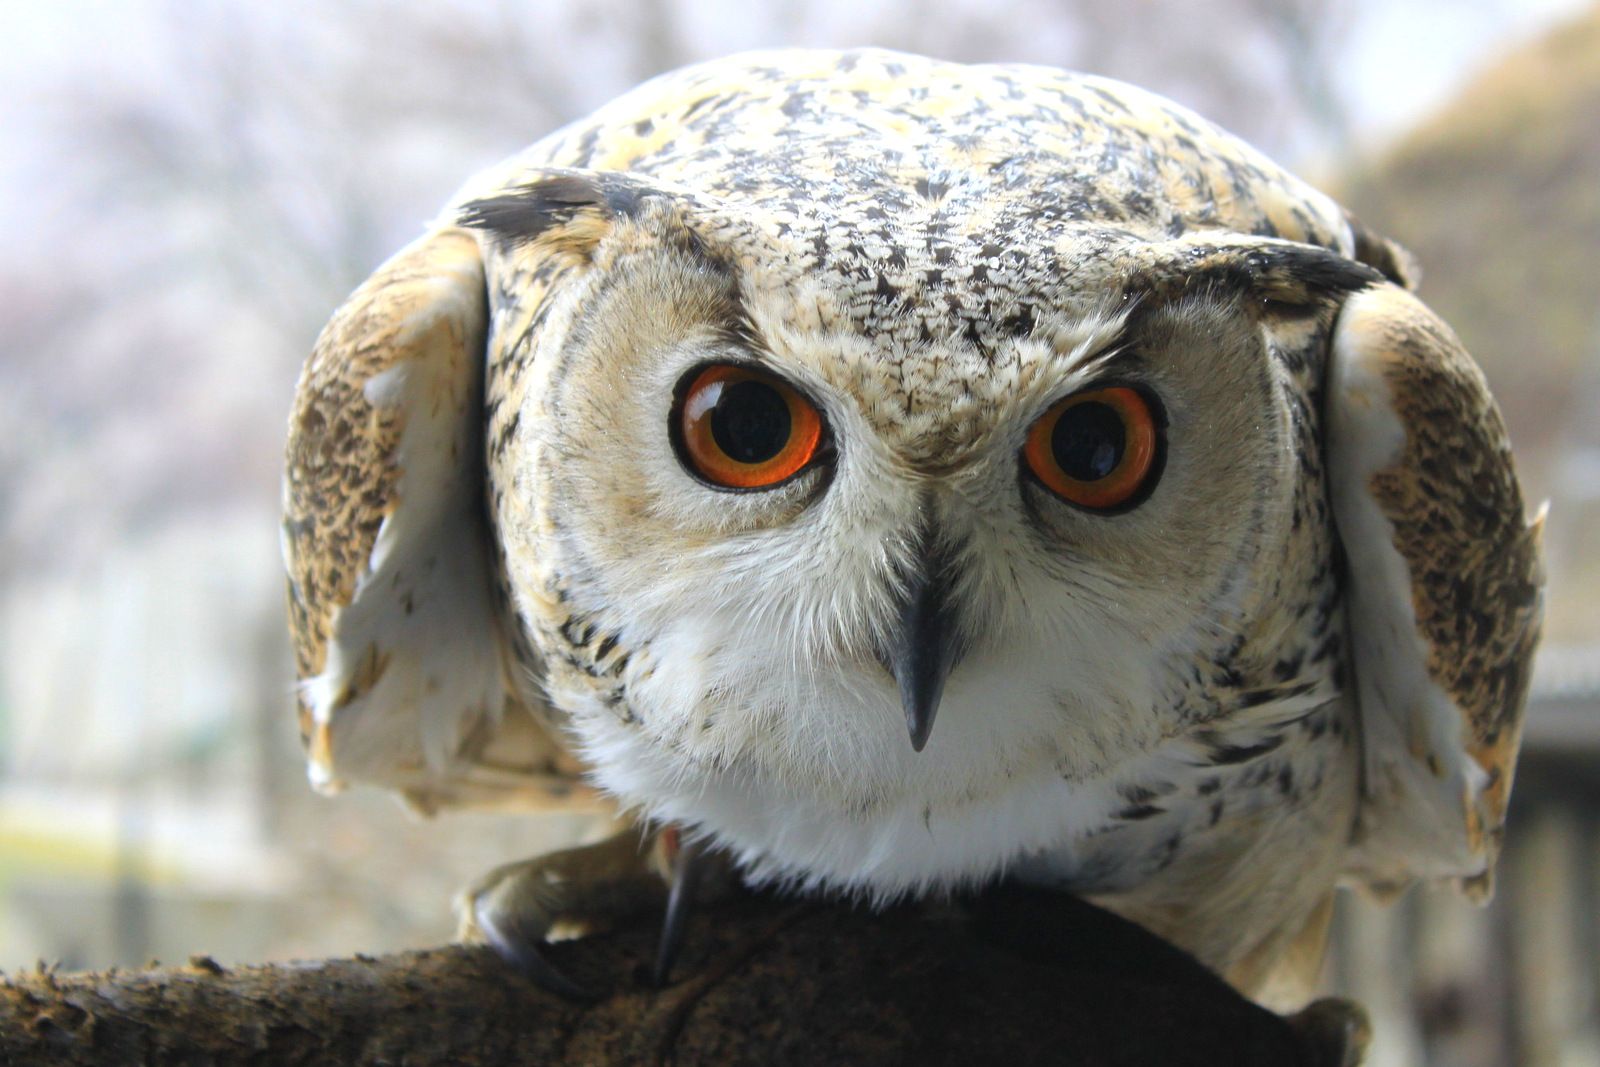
1226, 824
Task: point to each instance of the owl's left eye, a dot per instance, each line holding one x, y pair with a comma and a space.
736, 427
1099, 449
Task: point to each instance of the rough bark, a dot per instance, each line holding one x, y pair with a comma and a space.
1016, 977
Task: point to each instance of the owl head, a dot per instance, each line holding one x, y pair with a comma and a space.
784, 514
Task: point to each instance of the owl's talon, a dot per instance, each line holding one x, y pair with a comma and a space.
516, 908
686, 870
523, 954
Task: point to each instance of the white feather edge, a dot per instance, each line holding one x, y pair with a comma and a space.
1412, 820
442, 674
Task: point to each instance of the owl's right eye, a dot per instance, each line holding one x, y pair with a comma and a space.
736, 427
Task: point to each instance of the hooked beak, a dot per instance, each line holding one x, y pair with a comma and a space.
925, 644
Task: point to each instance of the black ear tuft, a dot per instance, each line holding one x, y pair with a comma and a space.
1284, 273
528, 211
1378, 251
1277, 269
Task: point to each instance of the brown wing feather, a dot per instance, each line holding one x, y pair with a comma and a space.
1445, 574
339, 483
398, 645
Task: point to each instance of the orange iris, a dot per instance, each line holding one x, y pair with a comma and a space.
742, 428
1096, 449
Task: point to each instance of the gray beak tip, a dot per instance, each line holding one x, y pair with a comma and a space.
919, 731
921, 667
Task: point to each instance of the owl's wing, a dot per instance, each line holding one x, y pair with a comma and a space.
1445, 589
406, 677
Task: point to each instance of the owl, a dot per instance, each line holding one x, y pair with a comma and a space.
886, 476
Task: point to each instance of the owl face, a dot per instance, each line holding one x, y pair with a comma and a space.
922, 502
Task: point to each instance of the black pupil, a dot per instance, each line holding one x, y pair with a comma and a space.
1088, 440
750, 421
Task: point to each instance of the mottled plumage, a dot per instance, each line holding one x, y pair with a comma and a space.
1300, 657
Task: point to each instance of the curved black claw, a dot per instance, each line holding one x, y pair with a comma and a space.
523, 954
686, 868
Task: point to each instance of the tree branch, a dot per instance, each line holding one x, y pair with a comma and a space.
1017, 977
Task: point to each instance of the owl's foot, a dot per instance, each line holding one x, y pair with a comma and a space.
517, 908
1337, 1029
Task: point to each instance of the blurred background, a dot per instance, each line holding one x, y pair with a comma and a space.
188, 189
